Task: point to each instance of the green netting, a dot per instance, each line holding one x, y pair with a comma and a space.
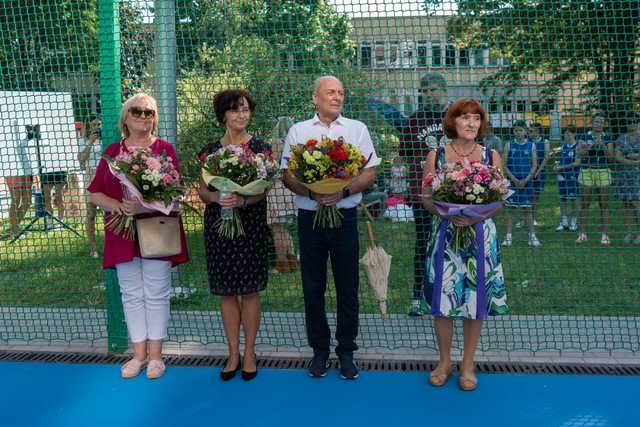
66, 66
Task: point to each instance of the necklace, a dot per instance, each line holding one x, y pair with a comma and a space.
463, 155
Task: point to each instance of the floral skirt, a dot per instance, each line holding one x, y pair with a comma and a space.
458, 294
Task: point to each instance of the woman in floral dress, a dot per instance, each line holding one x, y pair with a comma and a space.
457, 296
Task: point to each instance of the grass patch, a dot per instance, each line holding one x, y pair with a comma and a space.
561, 278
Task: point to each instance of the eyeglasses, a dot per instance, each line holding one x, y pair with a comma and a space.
142, 112
240, 111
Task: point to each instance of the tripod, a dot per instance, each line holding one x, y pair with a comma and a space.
33, 133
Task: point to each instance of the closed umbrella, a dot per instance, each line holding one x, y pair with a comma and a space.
377, 264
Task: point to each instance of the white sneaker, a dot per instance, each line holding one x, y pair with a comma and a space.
573, 224
561, 227
533, 241
508, 240
605, 240
518, 224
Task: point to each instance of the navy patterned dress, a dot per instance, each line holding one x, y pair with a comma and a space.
458, 294
237, 266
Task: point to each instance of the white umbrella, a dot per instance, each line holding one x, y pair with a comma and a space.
377, 264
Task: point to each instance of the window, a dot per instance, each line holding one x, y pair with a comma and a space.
506, 106
464, 57
450, 56
493, 59
365, 55
436, 55
521, 106
379, 54
478, 57
394, 48
493, 106
407, 54
551, 104
535, 107
422, 53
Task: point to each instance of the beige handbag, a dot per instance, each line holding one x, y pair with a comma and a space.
159, 236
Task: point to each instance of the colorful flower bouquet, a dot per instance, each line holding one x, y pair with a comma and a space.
237, 169
326, 167
467, 189
149, 177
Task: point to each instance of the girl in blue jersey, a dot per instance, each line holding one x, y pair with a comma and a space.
520, 167
568, 170
543, 151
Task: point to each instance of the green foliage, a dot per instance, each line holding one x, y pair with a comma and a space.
275, 50
40, 40
593, 42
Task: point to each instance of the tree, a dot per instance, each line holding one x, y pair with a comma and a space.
589, 41
273, 49
40, 39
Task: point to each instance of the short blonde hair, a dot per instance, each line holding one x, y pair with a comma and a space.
125, 110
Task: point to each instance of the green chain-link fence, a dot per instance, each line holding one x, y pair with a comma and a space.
66, 66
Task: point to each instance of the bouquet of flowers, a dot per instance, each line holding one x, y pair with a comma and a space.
237, 169
467, 189
326, 167
152, 178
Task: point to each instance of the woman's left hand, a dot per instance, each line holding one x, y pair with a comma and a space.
132, 207
233, 200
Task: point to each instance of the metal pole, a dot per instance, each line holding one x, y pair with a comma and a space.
110, 99
165, 24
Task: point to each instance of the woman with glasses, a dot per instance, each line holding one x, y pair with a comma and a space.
237, 267
145, 283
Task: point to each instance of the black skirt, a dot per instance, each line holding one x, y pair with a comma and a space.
237, 266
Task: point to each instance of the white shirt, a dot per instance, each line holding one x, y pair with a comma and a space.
353, 131
95, 152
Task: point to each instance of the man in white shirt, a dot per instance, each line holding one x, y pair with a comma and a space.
341, 244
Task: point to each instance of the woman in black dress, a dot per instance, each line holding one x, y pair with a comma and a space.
237, 267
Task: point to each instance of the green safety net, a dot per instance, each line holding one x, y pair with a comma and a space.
566, 70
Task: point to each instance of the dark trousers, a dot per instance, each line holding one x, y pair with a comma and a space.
342, 247
422, 218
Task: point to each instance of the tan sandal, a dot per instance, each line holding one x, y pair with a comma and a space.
439, 376
132, 368
155, 369
467, 383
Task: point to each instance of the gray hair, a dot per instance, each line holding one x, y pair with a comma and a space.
317, 82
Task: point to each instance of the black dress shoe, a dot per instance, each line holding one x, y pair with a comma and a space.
248, 376
229, 375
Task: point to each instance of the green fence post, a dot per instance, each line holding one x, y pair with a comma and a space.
110, 100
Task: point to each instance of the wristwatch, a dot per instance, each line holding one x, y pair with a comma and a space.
346, 192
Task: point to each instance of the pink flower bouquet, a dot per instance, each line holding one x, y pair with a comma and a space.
149, 177
466, 189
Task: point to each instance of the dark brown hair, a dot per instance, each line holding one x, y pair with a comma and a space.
230, 99
460, 107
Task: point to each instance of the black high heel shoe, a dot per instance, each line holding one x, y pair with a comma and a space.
229, 375
248, 376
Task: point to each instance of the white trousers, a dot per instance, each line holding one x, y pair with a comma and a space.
145, 285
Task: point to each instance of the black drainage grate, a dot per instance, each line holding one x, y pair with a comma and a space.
298, 363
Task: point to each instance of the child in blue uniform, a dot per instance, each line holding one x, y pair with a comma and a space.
568, 170
520, 167
543, 151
